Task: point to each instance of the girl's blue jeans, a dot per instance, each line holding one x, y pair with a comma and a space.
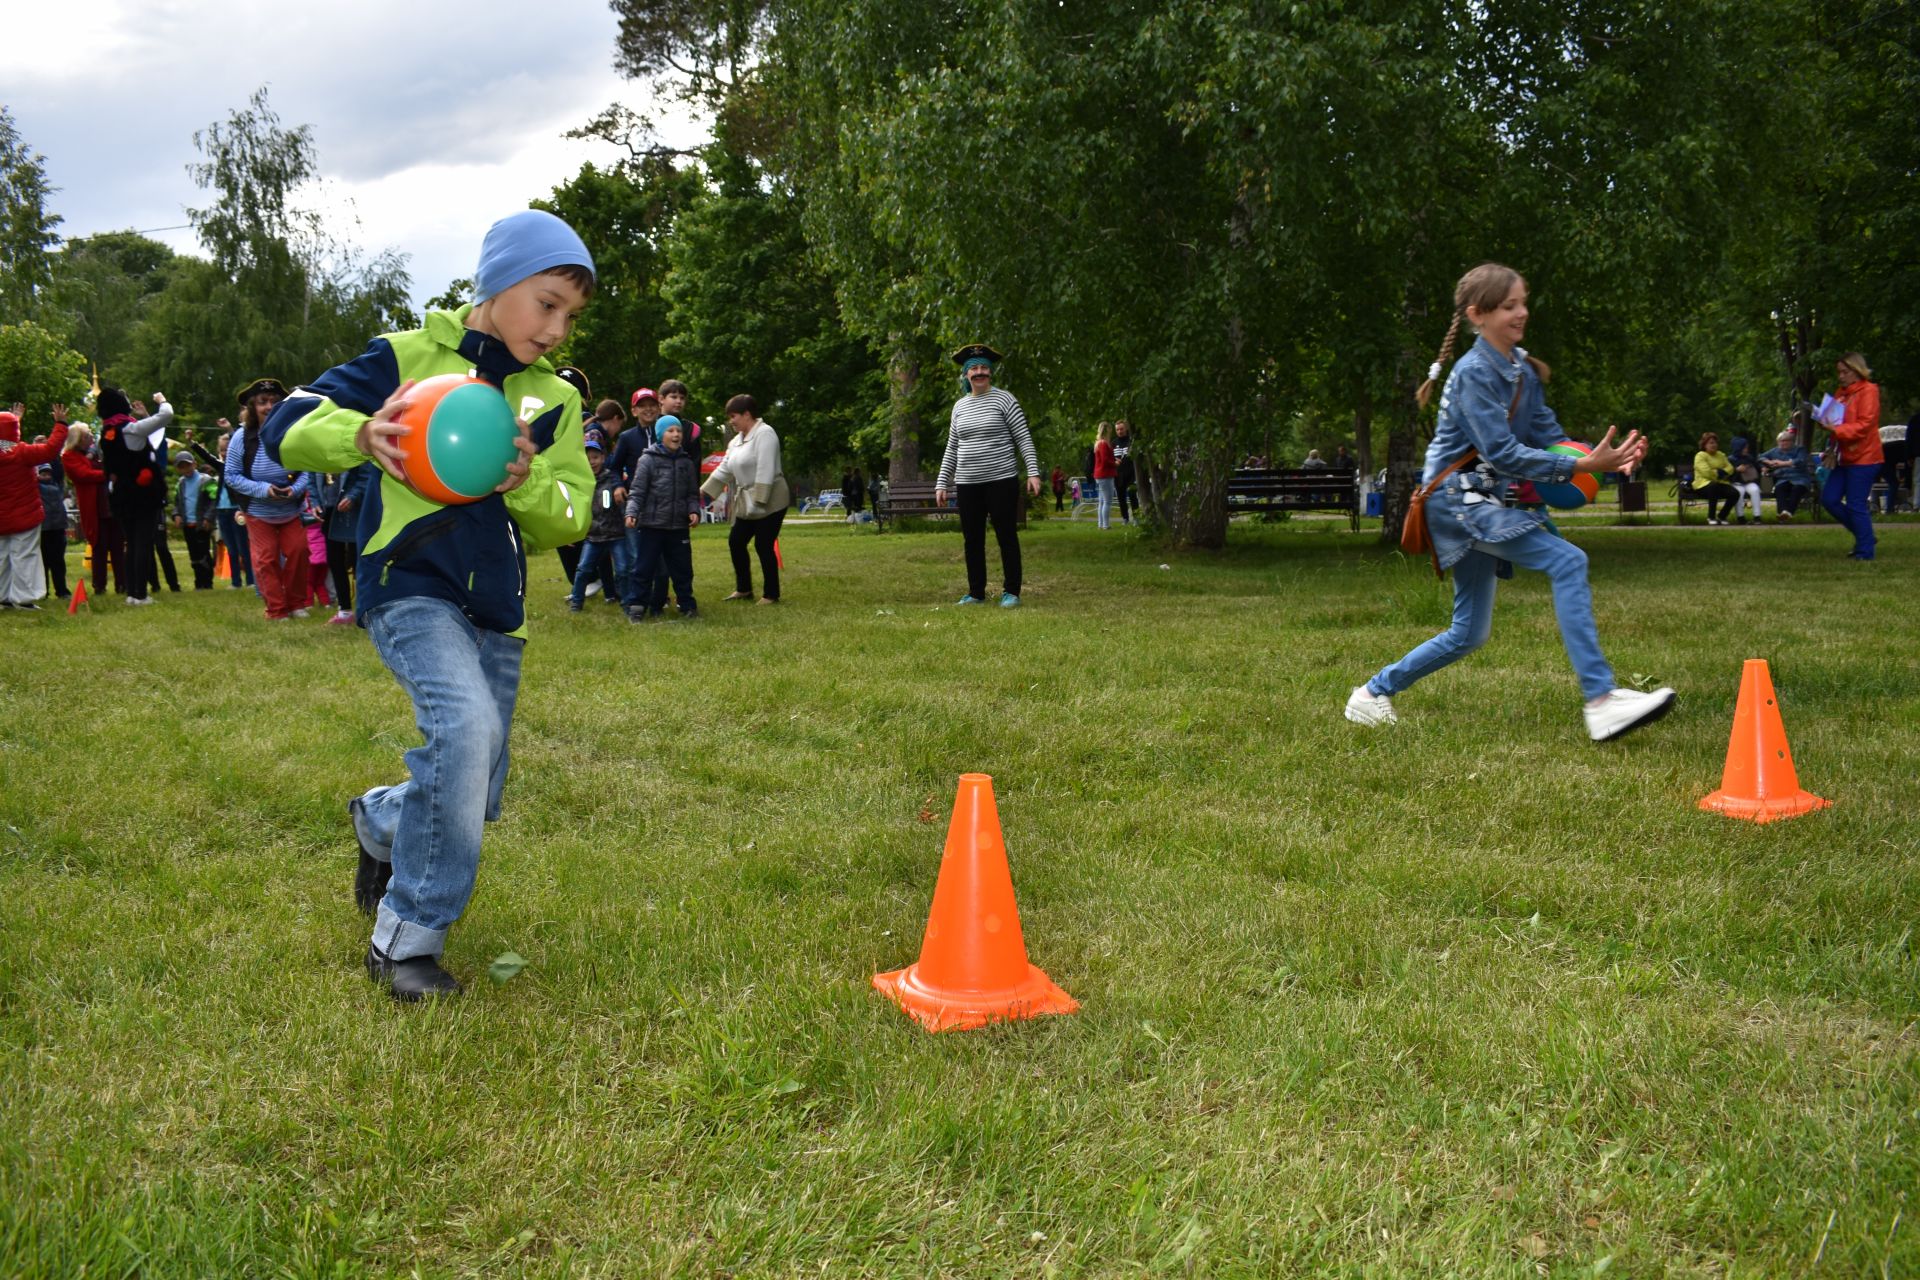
1473, 586
463, 681
1104, 507
1845, 496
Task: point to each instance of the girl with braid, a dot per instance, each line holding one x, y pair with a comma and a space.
1494, 430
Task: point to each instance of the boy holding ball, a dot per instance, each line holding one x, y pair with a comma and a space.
443, 588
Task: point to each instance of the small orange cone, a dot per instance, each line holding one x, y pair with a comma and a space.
1759, 782
973, 966
79, 596
221, 569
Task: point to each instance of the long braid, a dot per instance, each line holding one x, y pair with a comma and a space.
1425, 393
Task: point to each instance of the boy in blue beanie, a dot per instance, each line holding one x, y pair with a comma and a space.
443, 588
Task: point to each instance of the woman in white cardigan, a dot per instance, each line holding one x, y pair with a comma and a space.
757, 505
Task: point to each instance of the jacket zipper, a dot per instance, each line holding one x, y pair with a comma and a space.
413, 542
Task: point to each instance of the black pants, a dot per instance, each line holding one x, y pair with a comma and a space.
762, 533
110, 550
997, 501
1123, 490
666, 556
1059, 497
1723, 493
570, 560
200, 555
162, 561
1787, 496
139, 522
53, 552
340, 558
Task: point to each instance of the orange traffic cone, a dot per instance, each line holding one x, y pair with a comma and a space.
1759, 782
79, 596
973, 965
221, 568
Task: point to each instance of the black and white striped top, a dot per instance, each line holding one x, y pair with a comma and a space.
982, 440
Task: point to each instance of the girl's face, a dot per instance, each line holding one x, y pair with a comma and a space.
1505, 325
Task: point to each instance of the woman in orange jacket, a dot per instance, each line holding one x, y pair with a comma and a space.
1858, 440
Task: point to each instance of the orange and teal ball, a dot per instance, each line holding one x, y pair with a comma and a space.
1579, 489
459, 438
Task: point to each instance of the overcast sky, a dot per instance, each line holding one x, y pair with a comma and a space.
431, 117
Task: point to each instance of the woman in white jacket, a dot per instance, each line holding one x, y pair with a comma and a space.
757, 503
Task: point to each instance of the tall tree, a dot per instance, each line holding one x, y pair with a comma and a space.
101, 285
27, 227
38, 370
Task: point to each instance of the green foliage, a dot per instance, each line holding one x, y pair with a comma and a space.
101, 286
39, 370
27, 227
625, 214
749, 311
457, 294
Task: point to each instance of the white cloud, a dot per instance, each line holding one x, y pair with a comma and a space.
432, 119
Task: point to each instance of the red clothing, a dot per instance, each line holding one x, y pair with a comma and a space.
1859, 432
1103, 465
20, 505
89, 481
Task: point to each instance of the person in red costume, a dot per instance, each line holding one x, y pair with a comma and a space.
89, 484
1850, 483
136, 485
23, 575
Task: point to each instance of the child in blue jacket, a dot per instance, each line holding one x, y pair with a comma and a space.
442, 589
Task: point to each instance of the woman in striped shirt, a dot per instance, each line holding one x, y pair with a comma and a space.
988, 446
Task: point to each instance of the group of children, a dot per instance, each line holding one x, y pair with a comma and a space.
643, 520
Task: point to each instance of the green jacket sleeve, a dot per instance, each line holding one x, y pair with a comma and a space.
555, 505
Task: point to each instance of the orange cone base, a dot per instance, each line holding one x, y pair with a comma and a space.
1766, 809
968, 1010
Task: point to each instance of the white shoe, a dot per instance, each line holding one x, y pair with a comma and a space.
140, 600
1370, 708
301, 613
593, 589
1624, 710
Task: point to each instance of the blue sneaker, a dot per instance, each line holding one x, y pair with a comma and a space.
1009, 601
969, 599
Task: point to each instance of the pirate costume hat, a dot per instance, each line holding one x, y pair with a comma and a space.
976, 351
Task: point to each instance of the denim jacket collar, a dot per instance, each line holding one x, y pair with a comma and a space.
1508, 366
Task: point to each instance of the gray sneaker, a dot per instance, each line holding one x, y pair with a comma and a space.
1370, 708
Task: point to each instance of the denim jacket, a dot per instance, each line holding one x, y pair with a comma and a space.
1471, 506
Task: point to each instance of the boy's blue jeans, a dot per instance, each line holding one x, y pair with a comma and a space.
593, 564
463, 681
1845, 495
1473, 586
633, 589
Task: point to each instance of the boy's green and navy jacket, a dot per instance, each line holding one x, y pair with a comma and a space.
473, 555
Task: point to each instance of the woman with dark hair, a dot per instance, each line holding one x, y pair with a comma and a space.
988, 444
1712, 470
1857, 440
272, 497
757, 501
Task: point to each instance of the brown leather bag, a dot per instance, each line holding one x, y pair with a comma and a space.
1414, 538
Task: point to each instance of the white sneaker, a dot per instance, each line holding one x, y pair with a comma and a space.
1624, 710
301, 613
593, 589
1370, 708
139, 600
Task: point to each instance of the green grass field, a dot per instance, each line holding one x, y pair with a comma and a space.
1471, 996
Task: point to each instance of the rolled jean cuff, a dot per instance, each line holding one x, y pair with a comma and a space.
363, 831
400, 939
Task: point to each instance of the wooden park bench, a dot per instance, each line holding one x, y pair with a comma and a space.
915, 498
1256, 490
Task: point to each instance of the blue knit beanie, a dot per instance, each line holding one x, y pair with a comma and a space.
525, 244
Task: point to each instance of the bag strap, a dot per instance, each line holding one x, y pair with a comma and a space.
1472, 455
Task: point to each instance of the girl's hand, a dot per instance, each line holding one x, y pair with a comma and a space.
1608, 456
517, 470
377, 434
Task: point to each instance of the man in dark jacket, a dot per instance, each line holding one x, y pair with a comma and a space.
663, 506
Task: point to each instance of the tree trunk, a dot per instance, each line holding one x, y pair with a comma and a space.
1363, 431
903, 385
1403, 447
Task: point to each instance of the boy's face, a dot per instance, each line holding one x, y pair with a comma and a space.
535, 316
596, 460
673, 402
646, 411
670, 439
